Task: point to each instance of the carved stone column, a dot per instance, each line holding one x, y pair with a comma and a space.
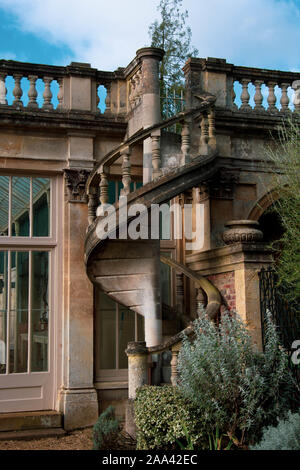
149, 58
78, 399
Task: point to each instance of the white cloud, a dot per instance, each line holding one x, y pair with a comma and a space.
262, 33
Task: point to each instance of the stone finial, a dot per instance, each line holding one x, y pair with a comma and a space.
242, 231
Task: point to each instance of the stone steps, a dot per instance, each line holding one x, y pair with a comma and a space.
30, 424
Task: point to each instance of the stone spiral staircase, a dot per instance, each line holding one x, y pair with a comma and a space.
129, 270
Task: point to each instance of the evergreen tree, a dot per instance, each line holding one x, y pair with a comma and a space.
172, 35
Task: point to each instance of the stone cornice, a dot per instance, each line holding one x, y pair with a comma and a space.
229, 258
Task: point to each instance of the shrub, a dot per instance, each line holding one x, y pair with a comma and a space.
285, 436
105, 428
163, 416
234, 388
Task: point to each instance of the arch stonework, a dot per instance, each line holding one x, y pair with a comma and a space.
263, 204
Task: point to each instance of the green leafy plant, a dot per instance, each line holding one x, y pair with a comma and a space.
284, 436
285, 155
105, 429
164, 417
216, 440
235, 389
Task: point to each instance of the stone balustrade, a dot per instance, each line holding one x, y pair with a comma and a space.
56, 88
243, 89
263, 91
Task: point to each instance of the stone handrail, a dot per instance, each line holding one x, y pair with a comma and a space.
138, 352
98, 179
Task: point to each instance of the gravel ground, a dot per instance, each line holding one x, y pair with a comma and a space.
77, 440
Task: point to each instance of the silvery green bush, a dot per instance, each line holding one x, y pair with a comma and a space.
162, 416
284, 436
235, 388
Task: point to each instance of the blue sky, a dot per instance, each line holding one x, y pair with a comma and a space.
261, 33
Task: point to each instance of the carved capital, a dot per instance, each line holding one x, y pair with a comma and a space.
75, 184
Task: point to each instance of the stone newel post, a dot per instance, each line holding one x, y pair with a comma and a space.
137, 376
150, 58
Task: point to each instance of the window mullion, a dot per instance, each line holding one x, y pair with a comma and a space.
117, 336
29, 311
9, 206
30, 211
8, 312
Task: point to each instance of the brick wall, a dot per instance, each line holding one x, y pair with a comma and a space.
225, 283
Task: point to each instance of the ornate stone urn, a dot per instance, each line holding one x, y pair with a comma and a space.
242, 231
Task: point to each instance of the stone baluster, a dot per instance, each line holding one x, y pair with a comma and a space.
32, 93
126, 171
204, 135
284, 100
17, 91
211, 129
103, 185
174, 364
272, 98
108, 98
60, 95
92, 205
156, 161
3, 89
258, 97
296, 99
245, 96
47, 95
185, 143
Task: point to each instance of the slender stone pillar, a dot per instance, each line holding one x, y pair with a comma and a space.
150, 58
137, 377
78, 398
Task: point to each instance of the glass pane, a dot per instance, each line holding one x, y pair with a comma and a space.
106, 330
165, 279
140, 328
126, 334
39, 310
4, 192
20, 206
3, 309
19, 311
41, 206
